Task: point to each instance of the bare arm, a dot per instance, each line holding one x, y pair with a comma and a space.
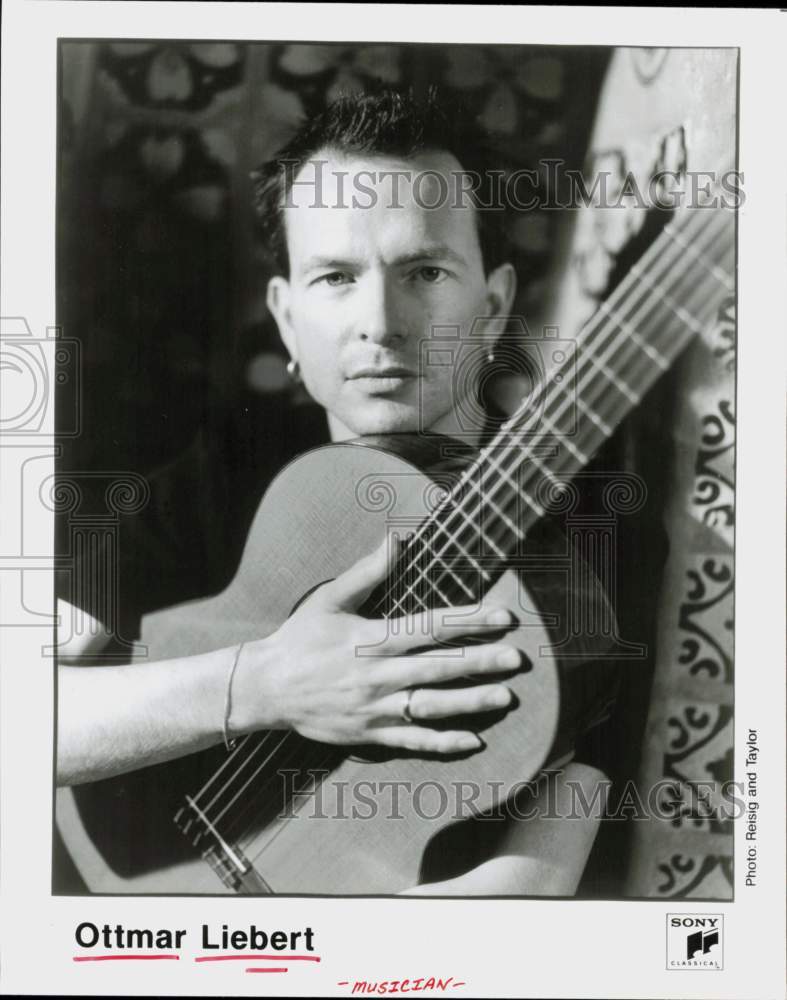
306, 677
112, 719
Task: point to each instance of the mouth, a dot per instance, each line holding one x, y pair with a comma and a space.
378, 381
389, 371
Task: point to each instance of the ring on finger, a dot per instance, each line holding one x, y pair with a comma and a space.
406, 714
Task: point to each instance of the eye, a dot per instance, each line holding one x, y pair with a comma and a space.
431, 275
334, 279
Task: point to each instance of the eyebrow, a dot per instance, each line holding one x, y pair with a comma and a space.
438, 252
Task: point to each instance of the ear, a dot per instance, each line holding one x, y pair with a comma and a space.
278, 301
500, 292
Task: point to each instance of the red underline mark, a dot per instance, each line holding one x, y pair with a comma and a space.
257, 958
459, 984
269, 969
126, 958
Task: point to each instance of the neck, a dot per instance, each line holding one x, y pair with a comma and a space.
337, 429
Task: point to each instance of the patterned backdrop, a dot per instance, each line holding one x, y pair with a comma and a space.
689, 736
675, 110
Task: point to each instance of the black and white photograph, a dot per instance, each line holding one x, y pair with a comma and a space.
379, 522
368, 333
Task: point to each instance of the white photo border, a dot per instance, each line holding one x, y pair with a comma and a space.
537, 948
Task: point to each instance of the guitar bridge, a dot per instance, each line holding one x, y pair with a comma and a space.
227, 861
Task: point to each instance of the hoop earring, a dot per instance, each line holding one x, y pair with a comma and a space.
294, 370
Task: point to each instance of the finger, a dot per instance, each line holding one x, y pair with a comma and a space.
351, 589
434, 667
430, 703
423, 740
442, 625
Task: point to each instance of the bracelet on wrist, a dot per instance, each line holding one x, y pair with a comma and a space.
230, 742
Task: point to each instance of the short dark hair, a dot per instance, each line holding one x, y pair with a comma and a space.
387, 121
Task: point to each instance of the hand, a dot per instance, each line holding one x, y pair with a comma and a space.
309, 676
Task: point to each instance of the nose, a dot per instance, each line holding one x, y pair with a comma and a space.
379, 319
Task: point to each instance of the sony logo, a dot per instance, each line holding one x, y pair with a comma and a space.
694, 921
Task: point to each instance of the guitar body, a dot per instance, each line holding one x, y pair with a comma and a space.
323, 512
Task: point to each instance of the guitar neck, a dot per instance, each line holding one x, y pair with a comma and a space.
635, 336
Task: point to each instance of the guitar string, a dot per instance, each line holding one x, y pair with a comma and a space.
407, 590
261, 743
248, 805
487, 494
229, 759
672, 223
262, 791
256, 842
292, 755
215, 819
443, 528
673, 229
251, 778
502, 533
265, 846
518, 413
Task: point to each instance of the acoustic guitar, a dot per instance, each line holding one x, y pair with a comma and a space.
273, 816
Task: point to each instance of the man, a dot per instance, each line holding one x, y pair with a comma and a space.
366, 269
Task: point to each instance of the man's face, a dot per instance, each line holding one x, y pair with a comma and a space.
370, 280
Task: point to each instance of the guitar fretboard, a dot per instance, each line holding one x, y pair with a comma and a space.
635, 336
